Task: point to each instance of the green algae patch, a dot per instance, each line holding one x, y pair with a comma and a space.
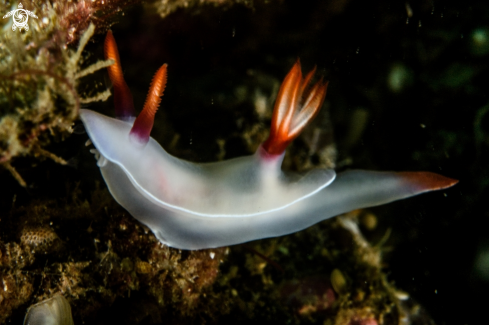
39, 75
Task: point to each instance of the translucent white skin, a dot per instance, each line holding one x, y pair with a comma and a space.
196, 206
52, 311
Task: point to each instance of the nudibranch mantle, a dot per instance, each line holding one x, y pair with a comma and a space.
244, 186
194, 206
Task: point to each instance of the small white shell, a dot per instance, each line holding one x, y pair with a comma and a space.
52, 311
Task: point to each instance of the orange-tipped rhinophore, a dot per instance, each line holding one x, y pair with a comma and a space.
123, 102
144, 122
294, 108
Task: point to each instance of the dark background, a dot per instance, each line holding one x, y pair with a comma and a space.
436, 121
356, 45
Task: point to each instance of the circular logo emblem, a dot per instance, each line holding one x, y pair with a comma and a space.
20, 18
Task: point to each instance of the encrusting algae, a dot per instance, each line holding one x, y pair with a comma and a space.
39, 75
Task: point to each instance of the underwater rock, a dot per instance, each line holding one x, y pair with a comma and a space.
95, 255
309, 296
166, 7
40, 239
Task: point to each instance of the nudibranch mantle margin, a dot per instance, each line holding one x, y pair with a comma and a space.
194, 206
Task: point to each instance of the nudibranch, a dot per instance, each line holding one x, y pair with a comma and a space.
204, 205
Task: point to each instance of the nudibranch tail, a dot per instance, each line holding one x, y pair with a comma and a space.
295, 107
123, 102
419, 182
144, 122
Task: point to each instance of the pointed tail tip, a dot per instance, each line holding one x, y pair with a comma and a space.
428, 181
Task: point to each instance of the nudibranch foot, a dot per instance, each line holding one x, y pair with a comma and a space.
194, 206
351, 190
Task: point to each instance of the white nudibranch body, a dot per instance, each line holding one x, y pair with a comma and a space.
194, 206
